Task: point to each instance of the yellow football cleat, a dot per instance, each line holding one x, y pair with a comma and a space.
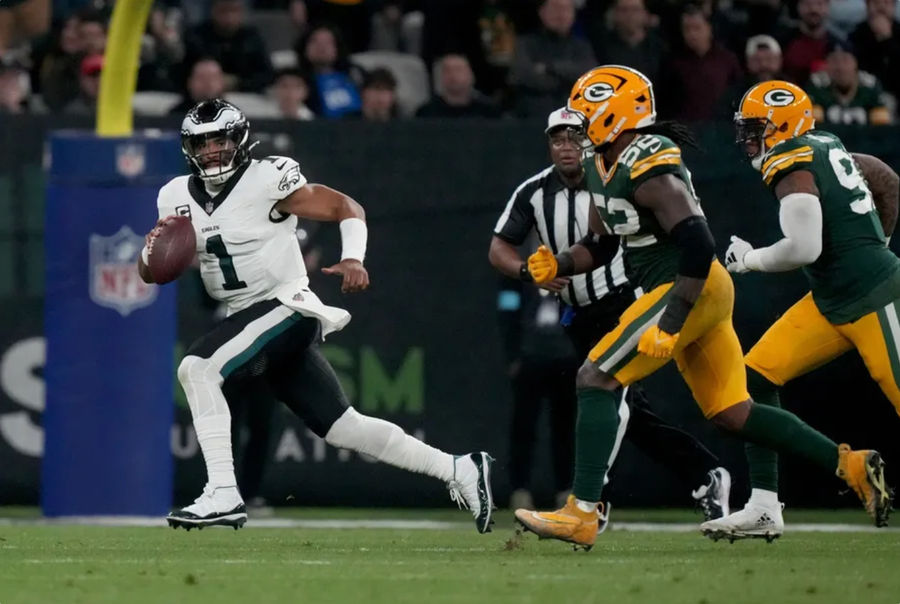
864, 473
566, 524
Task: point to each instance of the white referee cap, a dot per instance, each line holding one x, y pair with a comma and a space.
562, 117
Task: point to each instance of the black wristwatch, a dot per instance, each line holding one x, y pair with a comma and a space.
525, 274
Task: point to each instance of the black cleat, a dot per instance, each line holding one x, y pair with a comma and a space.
187, 520
471, 487
712, 497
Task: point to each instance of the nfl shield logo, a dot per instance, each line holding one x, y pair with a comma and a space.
130, 160
115, 282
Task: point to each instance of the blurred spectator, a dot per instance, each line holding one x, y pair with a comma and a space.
92, 32
498, 39
162, 50
631, 42
877, 43
456, 94
379, 96
237, 47
396, 30
769, 17
387, 27
332, 78
58, 73
22, 20
206, 81
299, 16
727, 26
291, 93
88, 87
13, 90
845, 15
498, 33
699, 75
451, 27
350, 17
763, 55
842, 94
548, 62
804, 51
764, 61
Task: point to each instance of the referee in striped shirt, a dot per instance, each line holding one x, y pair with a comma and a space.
556, 203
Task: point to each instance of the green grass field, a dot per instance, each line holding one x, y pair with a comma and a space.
92, 564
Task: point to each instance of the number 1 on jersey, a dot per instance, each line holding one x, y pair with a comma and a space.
215, 245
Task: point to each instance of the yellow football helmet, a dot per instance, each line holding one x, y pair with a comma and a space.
770, 113
613, 99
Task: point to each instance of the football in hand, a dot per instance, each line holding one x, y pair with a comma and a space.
173, 249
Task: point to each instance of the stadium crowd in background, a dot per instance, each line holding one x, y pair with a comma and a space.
305, 59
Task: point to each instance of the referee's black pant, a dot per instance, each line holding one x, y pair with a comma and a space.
536, 380
670, 446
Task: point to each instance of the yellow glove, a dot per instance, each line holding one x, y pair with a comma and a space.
542, 265
657, 343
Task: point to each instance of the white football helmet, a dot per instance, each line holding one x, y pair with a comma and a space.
215, 140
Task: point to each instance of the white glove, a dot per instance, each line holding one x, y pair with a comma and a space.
734, 256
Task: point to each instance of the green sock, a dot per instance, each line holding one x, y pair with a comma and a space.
775, 428
763, 462
595, 437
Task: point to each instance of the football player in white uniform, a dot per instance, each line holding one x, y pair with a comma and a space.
244, 212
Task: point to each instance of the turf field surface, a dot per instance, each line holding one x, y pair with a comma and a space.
438, 557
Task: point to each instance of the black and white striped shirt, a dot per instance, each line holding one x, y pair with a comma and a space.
560, 216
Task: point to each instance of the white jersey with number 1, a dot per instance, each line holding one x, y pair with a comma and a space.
248, 250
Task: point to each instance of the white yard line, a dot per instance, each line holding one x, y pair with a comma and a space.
397, 524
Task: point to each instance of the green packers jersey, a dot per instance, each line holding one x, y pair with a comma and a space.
651, 259
867, 106
856, 273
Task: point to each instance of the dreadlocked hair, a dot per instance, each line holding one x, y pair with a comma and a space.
678, 132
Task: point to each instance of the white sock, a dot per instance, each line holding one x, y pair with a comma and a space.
624, 416
764, 498
214, 436
202, 384
388, 443
586, 506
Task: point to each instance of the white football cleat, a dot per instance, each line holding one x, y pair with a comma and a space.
471, 487
756, 520
220, 506
712, 497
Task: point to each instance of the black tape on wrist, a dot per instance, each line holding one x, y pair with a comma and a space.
697, 246
525, 274
676, 313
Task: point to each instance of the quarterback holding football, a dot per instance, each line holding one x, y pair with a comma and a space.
244, 215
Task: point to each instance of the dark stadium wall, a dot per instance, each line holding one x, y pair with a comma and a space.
423, 347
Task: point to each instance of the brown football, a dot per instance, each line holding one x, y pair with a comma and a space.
173, 249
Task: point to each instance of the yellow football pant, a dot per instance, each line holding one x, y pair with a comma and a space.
803, 339
708, 353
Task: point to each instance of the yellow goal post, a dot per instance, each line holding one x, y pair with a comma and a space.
118, 80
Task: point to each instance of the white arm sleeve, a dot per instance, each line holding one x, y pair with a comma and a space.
801, 223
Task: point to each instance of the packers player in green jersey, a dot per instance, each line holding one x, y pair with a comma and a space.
835, 233
645, 200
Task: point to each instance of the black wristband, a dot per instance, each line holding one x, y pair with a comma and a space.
676, 313
525, 274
